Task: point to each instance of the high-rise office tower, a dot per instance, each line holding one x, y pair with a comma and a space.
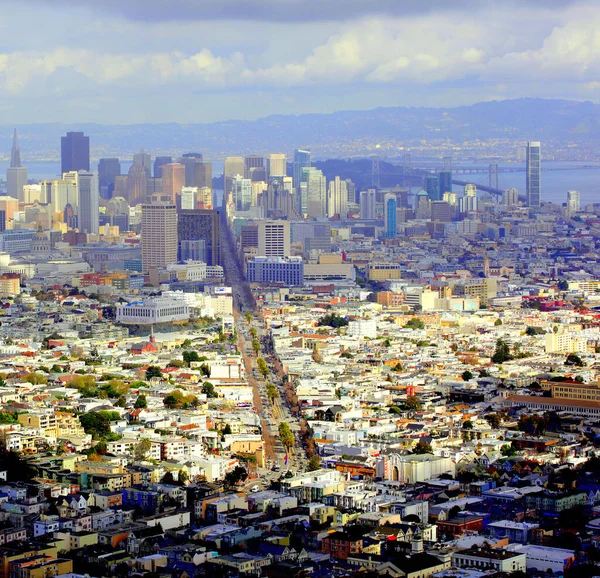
233, 166
469, 200
189, 198
203, 174
137, 184
173, 179
158, 164
445, 183
442, 211
390, 207
201, 225
422, 205
533, 174
108, 170
276, 165
351, 188
573, 202
510, 198
189, 160
432, 186
60, 192
337, 198
315, 192
367, 204
74, 152
301, 160
253, 162
145, 160
88, 210
273, 238
241, 190
16, 175
159, 234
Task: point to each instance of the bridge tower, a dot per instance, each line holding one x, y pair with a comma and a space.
407, 171
375, 181
447, 163
493, 176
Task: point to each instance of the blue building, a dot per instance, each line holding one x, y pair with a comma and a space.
445, 183
432, 186
390, 205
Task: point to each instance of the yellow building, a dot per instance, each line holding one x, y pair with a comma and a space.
383, 271
10, 284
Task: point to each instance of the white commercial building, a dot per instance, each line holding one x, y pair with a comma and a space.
363, 328
544, 558
154, 310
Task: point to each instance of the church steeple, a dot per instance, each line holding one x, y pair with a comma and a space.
15, 154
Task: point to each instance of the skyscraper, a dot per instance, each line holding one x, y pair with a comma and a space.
367, 204
159, 234
469, 200
87, 185
432, 186
233, 166
137, 184
316, 192
145, 160
74, 152
301, 160
203, 174
16, 175
276, 165
337, 198
173, 179
241, 190
273, 238
445, 183
573, 202
533, 174
108, 170
253, 162
201, 225
510, 198
390, 206
189, 160
158, 164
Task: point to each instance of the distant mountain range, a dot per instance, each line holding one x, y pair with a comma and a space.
339, 134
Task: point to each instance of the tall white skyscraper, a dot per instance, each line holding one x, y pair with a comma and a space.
16, 175
573, 202
367, 204
88, 199
337, 198
241, 189
469, 200
315, 191
301, 160
273, 238
189, 198
233, 166
534, 174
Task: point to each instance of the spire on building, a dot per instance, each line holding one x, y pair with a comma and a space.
15, 154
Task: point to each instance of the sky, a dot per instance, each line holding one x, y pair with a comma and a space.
186, 61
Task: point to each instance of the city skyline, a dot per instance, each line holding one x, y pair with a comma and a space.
191, 62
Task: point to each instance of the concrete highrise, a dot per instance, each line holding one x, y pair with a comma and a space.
573, 202
367, 204
189, 160
469, 200
273, 238
203, 174
241, 190
16, 175
233, 166
510, 198
173, 179
276, 165
159, 233
301, 160
533, 181
88, 200
108, 171
74, 152
137, 184
201, 225
337, 198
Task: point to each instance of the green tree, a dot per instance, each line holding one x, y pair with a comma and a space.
467, 424
467, 375
234, 477
314, 463
332, 320
226, 430
574, 360
96, 423
508, 450
141, 449
153, 371
8, 417
255, 346
262, 367
36, 378
208, 389
412, 403
248, 316
494, 420
272, 392
498, 322
190, 356
414, 323
422, 447
502, 352
187, 343
286, 435
141, 402
563, 285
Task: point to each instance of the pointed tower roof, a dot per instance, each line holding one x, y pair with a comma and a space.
15, 154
